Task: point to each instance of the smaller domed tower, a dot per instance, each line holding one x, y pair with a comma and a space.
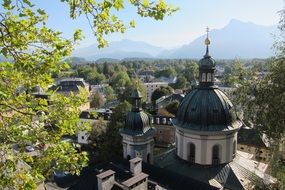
137, 133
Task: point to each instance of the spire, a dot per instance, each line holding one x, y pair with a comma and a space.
136, 99
206, 66
207, 42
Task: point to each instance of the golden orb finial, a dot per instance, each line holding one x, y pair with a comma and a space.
207, 40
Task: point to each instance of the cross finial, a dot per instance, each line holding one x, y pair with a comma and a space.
207, 41
207, 31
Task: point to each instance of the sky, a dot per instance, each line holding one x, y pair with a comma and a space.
181, 28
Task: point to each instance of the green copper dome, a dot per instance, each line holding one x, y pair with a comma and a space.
137, 121
207, 110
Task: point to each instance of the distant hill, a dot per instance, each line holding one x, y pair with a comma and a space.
119, 50
236, 40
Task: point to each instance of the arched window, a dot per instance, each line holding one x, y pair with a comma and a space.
176, 144
203, 77
215, 154
234, 148
148, 158
192, 151
209, 77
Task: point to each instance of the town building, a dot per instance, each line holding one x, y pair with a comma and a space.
151, 87
68, 85
250, 141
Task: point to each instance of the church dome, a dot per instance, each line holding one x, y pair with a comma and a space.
206, 122
137, 121
207, 110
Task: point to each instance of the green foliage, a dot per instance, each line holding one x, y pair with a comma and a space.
162, 91
33, 54
90, 74
191, 71
181, 83
172, 107
109, 93
170, 72
119, 81
97, 100
130, 87
262, 98
108, 144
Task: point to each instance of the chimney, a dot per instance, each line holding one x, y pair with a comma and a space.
106, 180
136, 165
139, 181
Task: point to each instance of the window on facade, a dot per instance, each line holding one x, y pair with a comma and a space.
234, 148
192, 150
209, 77
203, 77
215, 155
176, 145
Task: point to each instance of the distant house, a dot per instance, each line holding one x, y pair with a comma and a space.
67, 85
250, 141
164, 100
152, 86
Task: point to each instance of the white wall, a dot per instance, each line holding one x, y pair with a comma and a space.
204, 145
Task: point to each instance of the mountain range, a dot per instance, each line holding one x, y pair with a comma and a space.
236, 40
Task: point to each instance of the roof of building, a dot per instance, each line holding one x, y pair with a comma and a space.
133, 180
251, 137
238, 174
156, 176
105, 174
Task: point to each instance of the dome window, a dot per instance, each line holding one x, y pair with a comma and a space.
215, 155
209, 77
192, 151
203, 77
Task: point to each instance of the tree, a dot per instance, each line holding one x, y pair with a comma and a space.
109, 144
97, 100
109, 93
161, 91
191, 71
130, 87
120, 80
33, 52
169, 72
172, 107
180, 83
262, 99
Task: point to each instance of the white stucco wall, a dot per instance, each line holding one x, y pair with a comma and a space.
138, 147
204, 145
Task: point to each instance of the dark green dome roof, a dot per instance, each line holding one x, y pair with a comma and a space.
207, 62
137, 122
136, 94
207, 109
